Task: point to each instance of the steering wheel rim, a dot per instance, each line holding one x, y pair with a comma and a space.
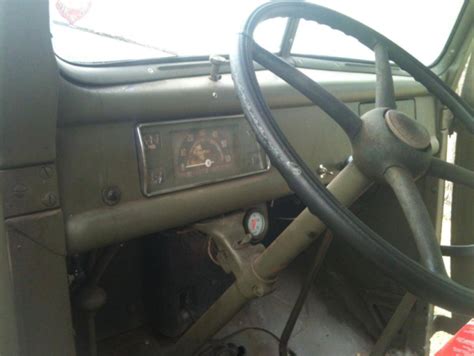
433, 287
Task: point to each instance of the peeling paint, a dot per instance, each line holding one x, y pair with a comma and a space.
294, 168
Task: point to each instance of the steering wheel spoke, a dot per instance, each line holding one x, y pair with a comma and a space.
383, 139
451, 172
418, 218
384, 89
338, 111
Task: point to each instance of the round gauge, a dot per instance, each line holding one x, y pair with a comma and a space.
204, 151
255, 224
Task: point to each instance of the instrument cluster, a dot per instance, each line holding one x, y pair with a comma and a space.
183, 154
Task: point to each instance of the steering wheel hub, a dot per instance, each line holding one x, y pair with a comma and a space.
407, 130
389, 138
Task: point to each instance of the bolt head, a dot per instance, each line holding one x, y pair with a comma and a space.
49, 200
46, 172
111, 195
215, 59
258, 291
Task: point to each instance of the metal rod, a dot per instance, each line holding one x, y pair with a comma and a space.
384, 90
418, 218
92, 336
347, 186
295, 312
451, 172
458, 250
102, 263
289, 36
301, 233
98, 266
394, 325
210, 322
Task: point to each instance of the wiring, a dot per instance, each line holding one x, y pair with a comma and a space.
215, 342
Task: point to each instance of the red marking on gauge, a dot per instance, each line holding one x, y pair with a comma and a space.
256, 223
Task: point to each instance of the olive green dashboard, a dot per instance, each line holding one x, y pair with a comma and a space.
101, 152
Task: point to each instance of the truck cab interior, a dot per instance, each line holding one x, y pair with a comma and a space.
235, 177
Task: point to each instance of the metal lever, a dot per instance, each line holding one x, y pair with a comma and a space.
216, 62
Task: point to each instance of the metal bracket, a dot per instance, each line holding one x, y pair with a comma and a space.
29, 190
447, 121
236, 255
216, 62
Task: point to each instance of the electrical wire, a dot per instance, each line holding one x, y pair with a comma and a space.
209, 252
237, 332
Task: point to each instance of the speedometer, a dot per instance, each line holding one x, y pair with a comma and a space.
183, 154
203, 151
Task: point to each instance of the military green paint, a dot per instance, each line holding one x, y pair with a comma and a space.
9, 340
28, 88
92, 157
296, 238
463, 197
38, 320
30, 189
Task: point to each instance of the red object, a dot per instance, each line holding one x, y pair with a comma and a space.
254, 224
461, 344
73, 10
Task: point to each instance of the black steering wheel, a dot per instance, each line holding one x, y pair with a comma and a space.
387, 147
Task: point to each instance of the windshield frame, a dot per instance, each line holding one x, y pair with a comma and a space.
182, 66
290, 36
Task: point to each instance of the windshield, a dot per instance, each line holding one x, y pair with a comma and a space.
101, 31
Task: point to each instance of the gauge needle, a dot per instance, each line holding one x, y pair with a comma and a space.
207, 163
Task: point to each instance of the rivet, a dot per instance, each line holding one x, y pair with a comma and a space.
111, 195
49, 200
46, 172
19, 190
258, 291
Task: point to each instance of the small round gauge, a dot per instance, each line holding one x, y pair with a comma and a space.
255, 224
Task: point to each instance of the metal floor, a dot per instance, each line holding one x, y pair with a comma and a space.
323, 328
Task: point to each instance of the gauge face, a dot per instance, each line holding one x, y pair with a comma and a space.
255, 224
185, 154
204, 151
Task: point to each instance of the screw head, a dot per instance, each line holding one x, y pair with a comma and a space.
111, 195
20, 190
49, 200
258, 290
46, 172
